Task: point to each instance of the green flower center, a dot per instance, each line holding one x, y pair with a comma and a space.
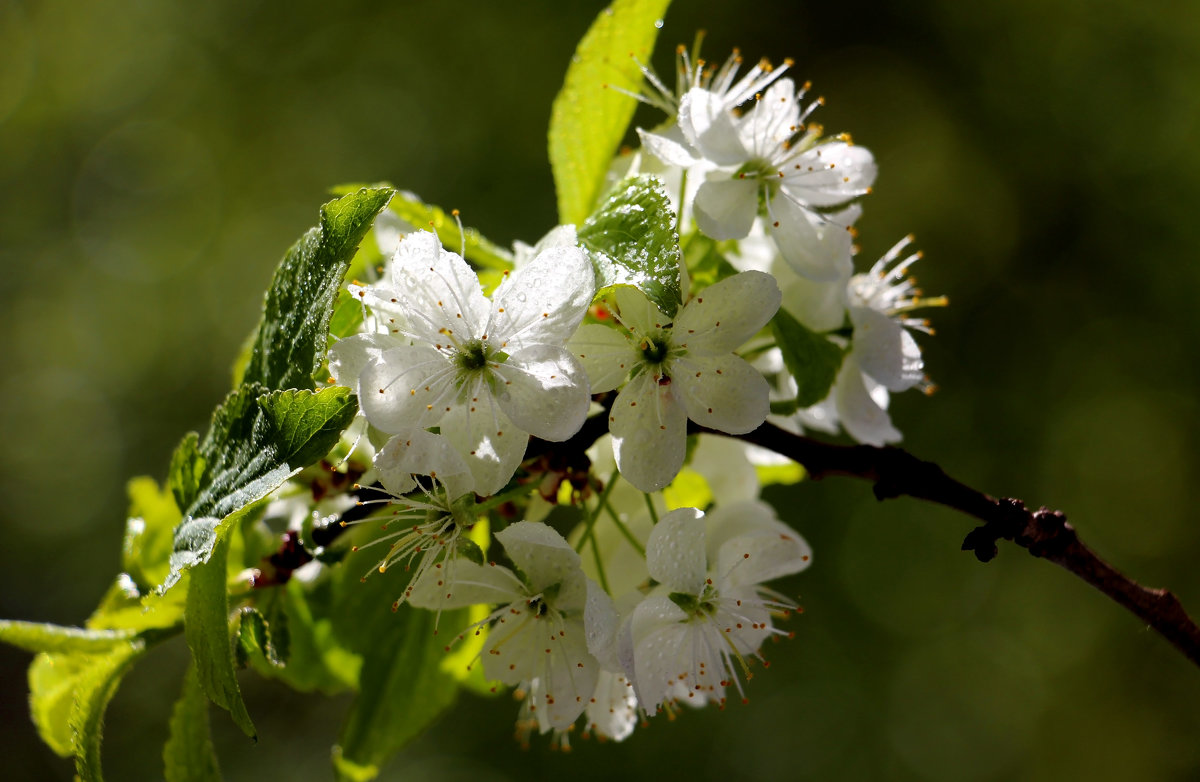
473, 356
655, 349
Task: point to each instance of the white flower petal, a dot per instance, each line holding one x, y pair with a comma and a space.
544, 301
488, 441
830, 174
544, 390
649, 430
612, 709
727, 313
472, 584
725, 206
601, 620
861, 415
406, 387
709, 126
771, 121
752, 546
723, 463
348, 358
675, 551
515, 646
722, 392
659, 629
423, 453
885, 350
816, 247
440, 290
637, 312
566, 674
818, 305
666, 149
606, 355
546, 559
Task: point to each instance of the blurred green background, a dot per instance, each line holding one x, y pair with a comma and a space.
157, 158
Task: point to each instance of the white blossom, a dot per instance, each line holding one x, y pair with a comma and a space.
678, 370
536, 637
488, 373
694, 632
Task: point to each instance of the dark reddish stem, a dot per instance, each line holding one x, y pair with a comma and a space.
1044, 533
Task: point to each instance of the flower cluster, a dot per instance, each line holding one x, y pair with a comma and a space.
570, 387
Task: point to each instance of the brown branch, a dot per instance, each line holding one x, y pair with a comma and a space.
1044, 533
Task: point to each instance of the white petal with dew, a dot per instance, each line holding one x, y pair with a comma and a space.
348, 358
606, 355
722, 392
546, 559
601, 621
750, 546
544, 390
441, 291
816, 247
649, 430
725, 206
675, 551
406, 387
473, 584
666, 149
885, 350
544, 301
490, 444
612, 710
422, 453
709, 126
659, 629
830, 174
728, 313
861, 414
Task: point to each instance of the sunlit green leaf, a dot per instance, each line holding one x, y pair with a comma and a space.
153, 516
256, 441
812, 359
402, 687
589, 118
207, 632
631, 240
291, 340
188, 755
316, 659
93, 689
255, 639
38, 637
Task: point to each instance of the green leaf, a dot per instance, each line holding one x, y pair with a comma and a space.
123, 607
186, 471
812, 359
402, 687
255, 640
706, 260
153, 516
589, 118
292, 334
93, 690
37, 637
256, 442
316, 658
631, 240
68, 693
347, 316
188, 755
207, 632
